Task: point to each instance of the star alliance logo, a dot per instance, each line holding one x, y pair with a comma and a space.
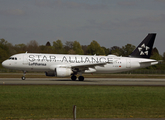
143, 49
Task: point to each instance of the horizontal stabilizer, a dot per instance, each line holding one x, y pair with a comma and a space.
152, 62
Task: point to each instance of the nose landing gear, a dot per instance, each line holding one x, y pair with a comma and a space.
23, 77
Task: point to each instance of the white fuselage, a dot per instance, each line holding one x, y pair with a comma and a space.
102, 64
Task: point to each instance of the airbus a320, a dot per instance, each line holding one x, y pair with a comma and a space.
63, 65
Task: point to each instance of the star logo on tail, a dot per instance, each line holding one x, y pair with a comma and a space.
143, 49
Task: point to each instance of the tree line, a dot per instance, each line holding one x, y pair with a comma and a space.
70, 47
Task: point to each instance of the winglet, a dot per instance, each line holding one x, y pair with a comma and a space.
144, 49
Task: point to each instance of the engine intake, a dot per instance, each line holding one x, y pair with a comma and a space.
63, 72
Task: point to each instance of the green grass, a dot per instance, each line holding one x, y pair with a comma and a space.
52, 101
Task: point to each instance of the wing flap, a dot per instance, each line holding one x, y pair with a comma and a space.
88, 67
89, 64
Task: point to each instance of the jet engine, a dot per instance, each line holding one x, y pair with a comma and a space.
60, 72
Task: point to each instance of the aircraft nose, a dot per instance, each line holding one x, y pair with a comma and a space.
4, 63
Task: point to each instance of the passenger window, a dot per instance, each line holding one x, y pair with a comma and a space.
15, 58
12, 58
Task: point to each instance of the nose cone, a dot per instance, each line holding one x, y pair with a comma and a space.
5, 64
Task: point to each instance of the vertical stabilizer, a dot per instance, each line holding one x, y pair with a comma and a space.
144, 49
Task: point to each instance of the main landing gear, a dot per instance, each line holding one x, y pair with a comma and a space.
74, 77
23, 77
80, 78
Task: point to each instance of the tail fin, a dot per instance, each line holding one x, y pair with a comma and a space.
144, 49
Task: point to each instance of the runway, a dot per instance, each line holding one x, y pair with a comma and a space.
87, 81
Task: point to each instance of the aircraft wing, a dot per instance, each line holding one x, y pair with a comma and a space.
89, 64
148, 61
89, 67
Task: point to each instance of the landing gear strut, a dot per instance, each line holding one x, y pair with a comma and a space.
23, 77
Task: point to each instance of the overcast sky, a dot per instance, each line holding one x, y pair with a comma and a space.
109, 22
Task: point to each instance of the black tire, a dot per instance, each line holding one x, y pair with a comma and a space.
81, 78
23, 77
73, 77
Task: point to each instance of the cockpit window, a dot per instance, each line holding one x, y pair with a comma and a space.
12, 58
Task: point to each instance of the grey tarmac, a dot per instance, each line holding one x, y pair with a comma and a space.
87, 81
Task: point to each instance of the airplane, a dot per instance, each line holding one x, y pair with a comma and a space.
64, 65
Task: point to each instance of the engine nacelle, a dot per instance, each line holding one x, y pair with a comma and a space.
63, 72
59, 72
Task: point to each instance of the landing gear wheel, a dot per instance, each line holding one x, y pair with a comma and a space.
73, 77
81, 78
23, 77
